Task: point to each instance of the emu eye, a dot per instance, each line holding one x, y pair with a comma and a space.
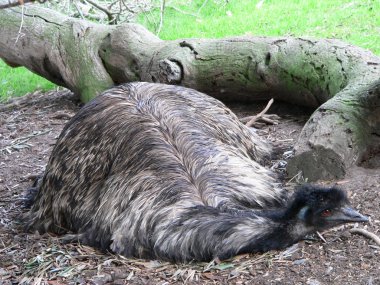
326, 213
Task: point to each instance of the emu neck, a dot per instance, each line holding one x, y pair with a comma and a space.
285, 227
203, 233
292, 220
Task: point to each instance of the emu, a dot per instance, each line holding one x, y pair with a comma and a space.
158, 171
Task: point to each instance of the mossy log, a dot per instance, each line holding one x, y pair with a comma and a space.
341, 81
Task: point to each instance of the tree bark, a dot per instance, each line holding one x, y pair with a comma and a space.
340, 80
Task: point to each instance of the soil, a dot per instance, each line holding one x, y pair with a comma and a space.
28, 129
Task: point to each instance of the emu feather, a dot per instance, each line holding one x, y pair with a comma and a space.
159, 171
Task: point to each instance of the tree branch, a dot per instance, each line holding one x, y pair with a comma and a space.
109, 14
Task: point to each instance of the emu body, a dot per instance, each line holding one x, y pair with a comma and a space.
159, 171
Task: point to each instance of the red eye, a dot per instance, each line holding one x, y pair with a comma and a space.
326, 213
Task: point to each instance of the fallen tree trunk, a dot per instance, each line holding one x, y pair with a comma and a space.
340, 80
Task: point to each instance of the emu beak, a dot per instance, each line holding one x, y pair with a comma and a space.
347, 215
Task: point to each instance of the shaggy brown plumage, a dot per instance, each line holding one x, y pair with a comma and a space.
159, 171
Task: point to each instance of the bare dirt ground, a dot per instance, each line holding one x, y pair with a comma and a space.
28, 130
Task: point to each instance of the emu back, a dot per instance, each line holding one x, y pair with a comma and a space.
156, 171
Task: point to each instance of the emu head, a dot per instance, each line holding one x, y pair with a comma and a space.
319, 208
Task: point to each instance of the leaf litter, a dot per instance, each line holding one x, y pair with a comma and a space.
29, 128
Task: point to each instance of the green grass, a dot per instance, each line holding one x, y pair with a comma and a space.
353, 21
356, 22
19, 81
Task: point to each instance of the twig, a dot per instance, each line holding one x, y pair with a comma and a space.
200, 8
266, 118
19, 34
31, 136
104, 10
181, 11
31, 99
61, 116
295, 177
162, 10
112, 4
321, 237
149, 15
254, 119
130, 10
367, 234
21, 140
31, 177
78, 9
